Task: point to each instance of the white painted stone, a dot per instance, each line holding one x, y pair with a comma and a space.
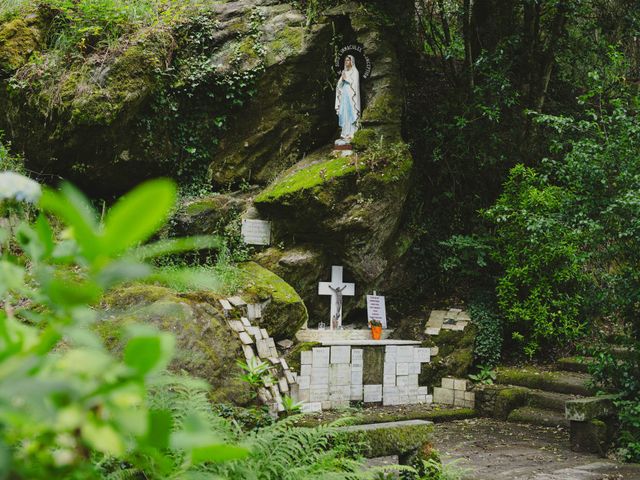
376, 309
422, 355
447, 382
265, 334
255, 232
284, 364
423, 390
311, 407
245, 321
283, 385
305, 369
320, 376
356, 375
356, 392
303, 395
389, 368
422, 399
414, 368
433, 331
443, 396
357, 356
389, 380
245, 338
289, 378
226, 306
254, 311
339, 374
306, 358
459, 384
389, 400
319, 393
326, 405
263, 349
237, 301
236, 325
402, 380
340, 354
248, 352
320, 357
340, 393
429, 398
255, 332
390, 353
304, 381
412, 381
390, 390
372, 393
402, 369
405, 354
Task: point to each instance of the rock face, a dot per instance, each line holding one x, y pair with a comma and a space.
206, 346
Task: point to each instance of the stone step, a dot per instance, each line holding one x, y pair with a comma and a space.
549, 400
538, 416
552, 381
575, 364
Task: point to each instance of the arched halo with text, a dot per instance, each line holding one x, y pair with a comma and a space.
363, 63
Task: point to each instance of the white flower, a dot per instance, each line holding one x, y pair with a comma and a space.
14, 186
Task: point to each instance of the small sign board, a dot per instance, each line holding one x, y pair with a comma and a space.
256, 232
376, 309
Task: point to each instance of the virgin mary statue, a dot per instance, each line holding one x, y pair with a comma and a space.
348, 99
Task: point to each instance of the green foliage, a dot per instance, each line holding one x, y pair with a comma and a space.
8, 160
65, 401
541, 291
487, 348
256, 372
486, 375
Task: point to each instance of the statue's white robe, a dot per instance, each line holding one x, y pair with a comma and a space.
348, 102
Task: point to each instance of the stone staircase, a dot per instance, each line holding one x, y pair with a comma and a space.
535, 396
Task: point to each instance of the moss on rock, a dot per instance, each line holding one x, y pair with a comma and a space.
206, 346
284, 312
19, 39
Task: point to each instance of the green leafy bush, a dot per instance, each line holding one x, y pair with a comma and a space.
487, 348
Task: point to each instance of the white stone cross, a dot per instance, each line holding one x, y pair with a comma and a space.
337, 289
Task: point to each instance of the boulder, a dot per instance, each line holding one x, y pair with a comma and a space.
206, 346
283, 311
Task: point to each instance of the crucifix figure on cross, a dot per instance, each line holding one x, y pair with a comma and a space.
337, 289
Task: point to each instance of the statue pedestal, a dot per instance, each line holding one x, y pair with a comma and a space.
346, 146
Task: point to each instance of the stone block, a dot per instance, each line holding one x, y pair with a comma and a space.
326, 405
304, 381
306, 358
226, 306
422, 399
305, 369
248, 352
302, 395
402, 369
271, 342
283, 385
433, 330
320, 357
255, 331
414, 368
590, 436
389, 369
443, 396
429, 398
263, 349
436, 318
339, 374
389, 380
356, 376
356, 393
402, 380
412, 380
311, 407
584, 409
390, 390
423, 390
265, 334
459, 384
422, 355
405, 353
470, 396
339, 393
357, 356
340, 354
236, 325
458, 400
319, 393
447, 382
372, 393
390, 353
433, 352
245, 321
245, 338
320, 376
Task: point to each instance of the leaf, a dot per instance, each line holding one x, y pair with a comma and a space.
160, 427
218, 453
75, 211
148, 353
176, 245
104, 438
137, 215
66, 292
11, 277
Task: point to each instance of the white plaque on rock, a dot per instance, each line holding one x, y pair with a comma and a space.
376, 309
256, 232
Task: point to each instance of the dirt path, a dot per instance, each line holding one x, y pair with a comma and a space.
494, 450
